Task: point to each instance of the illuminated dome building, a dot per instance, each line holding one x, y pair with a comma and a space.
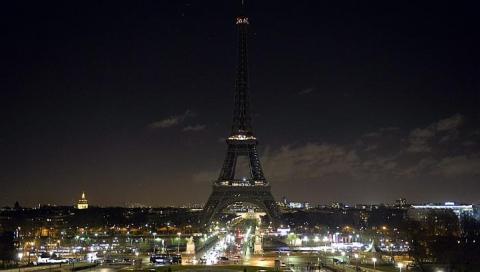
82, 203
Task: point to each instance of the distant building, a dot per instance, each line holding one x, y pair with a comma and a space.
299, 205
82, 203
337, 205
136, 205
476, 211
401, 203
458, 209
294, 205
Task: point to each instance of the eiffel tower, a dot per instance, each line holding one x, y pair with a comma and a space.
229, 189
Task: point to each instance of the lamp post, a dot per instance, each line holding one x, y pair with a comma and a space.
154, 244
400, 266
374, 260
391, 252
305, 239
137, 253
178, 243
20, 256
74, 258
325, 240
356, 261
343, 260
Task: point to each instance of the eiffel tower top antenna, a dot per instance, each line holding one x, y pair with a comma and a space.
242, 126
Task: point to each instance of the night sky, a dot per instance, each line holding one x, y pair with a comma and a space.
353, 101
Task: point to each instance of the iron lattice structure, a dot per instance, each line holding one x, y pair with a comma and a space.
229, 189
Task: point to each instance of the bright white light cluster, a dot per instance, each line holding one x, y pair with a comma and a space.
242, 20
241, 137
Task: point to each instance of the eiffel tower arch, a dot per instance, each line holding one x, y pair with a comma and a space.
241, 143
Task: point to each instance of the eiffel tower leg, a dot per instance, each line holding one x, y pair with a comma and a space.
256, 168
229, 165
217, 201
272, 209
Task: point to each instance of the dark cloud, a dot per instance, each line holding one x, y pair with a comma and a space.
306, 91
421, 139
171, 121
205, 177
458, 166
309, 162
451, 123
194, 128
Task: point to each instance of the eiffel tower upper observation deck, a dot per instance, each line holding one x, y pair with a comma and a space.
242, 143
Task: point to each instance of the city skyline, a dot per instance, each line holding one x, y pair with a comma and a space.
283, 201
351, 104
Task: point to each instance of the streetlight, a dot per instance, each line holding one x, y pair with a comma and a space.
400, 266
178, 243
20, 256
154, 244
356, 261
74, 258
343, 259
325, 240
374, 260
391, 252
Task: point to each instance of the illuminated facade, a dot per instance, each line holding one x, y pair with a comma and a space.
82, 203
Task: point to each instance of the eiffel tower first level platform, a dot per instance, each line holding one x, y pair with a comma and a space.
251, 186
